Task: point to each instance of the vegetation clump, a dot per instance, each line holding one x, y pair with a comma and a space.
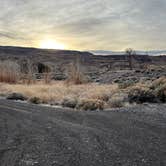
141, 95
78, 93
159, 88
75, 75
91, 104
35, 100
9, 72
117, 100
126, 84
69, 102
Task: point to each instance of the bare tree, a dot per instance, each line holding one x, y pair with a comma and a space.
130, 52
75, 73
28, 76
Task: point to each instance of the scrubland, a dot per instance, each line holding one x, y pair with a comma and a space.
58, 92
76, 92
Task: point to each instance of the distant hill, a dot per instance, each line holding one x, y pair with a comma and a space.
59, 60
28, 51
105, 52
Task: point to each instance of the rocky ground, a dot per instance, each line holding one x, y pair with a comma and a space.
98, 67
33, 135
136, 75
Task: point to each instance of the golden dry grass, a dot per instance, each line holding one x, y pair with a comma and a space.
75, 75
57, 91
9, 72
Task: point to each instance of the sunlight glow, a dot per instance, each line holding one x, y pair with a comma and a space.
51, 44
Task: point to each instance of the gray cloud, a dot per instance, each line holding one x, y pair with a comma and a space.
12, 36
97, 24
7, 35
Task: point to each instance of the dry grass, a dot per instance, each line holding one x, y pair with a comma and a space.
47, 78
58, 91
159, 82
117, 100
9, 72
75, 75
155, 67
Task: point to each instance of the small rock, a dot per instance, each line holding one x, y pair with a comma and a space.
16, 96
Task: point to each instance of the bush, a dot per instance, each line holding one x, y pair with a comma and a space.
9, 72
91, 105
117, 100
103, 97
68, 102
75, 75
159, 87
161, 93
47, 78
158, 82
35, 100
141, 95
126, 84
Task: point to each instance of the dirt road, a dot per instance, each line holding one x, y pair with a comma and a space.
40, 136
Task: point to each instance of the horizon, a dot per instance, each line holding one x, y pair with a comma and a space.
98, 52
78, 49
81, 25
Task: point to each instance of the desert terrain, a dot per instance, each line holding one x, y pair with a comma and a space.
66, 108
81, 80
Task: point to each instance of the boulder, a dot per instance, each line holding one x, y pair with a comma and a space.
16, 96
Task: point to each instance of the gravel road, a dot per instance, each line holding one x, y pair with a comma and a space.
32, 135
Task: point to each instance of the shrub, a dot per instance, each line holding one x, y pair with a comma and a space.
159, 87
103, 97
57, 91
75, 75
117, 100
126, 84
161, 93
158, 82
141, 95
28, 79
9, 72
47, 78
91, 104
35, 100
69, 102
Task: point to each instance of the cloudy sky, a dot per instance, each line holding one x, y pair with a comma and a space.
83, 24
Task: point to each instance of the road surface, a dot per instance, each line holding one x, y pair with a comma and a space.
32, 135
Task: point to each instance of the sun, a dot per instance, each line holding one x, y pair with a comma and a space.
51, 44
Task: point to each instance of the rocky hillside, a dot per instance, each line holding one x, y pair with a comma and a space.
59, 60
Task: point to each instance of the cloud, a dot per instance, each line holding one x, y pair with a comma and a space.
7, 35
82, 24
12, 36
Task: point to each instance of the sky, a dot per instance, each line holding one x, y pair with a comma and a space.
84, 24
